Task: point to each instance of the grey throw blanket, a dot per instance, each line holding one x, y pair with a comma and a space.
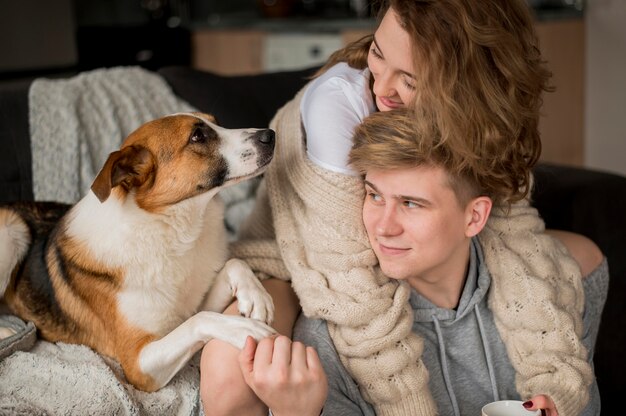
65, 379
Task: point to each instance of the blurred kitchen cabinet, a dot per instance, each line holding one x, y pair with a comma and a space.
288, 51
242, 52
348, 36
562, 43
228, 52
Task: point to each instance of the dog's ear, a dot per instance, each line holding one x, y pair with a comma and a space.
129, 167
211, 118
207, 116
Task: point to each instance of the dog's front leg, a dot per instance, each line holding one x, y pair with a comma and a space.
236, 279
163, 358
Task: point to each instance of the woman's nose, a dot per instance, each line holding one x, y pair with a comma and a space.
383, 85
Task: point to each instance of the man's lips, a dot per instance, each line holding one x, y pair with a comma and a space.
390, 250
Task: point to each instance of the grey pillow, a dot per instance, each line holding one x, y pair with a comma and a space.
23, 339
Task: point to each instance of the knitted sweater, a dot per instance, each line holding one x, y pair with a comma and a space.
307, 226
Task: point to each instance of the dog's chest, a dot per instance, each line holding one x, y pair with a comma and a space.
173, 286
168, 264
162, 295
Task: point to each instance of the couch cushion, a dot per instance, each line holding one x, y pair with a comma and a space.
593, 203
236, 101
15, 160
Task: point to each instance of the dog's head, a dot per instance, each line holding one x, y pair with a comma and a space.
177, 157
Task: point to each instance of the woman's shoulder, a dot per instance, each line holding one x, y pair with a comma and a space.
332, 105
343, 71
340, 77
340, 84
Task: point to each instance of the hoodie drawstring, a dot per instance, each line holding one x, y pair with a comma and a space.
444, 366
488, 357
444, 361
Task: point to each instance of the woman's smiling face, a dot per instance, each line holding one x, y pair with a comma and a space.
391, 64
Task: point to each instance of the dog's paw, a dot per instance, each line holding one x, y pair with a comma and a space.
239, 328
254, 302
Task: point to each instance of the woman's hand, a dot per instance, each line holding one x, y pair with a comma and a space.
543, 403
287, 376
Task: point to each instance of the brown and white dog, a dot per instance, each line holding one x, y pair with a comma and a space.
137, 269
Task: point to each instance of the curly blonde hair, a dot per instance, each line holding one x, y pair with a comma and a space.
480, 79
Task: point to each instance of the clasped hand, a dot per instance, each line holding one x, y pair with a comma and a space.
287, 376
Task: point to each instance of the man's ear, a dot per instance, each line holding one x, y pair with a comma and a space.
129, 167
477, 214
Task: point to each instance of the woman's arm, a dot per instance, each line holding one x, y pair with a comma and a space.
586, 253
533, 276
223, 389
596, 285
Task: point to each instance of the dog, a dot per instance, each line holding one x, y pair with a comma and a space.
137, 269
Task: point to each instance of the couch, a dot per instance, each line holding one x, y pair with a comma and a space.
589, 202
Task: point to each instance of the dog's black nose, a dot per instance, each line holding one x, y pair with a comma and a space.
266, 136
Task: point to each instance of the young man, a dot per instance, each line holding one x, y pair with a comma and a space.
423, 209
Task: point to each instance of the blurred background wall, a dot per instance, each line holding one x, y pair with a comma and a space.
605, 85
583, 122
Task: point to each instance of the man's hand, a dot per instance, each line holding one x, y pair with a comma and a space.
287, 376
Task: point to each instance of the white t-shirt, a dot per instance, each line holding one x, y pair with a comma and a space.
332, 106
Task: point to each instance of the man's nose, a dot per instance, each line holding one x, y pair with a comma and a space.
388, 223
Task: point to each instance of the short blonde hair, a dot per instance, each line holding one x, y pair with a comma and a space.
393, 140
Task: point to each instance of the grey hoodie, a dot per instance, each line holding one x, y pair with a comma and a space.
465, 356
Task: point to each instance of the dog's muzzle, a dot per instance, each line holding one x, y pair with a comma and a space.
264, 141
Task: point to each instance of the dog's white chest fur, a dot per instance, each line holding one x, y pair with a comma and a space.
169, 260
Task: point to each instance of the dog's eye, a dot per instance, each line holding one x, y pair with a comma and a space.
198, 136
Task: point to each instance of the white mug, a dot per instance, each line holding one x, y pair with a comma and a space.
507, 408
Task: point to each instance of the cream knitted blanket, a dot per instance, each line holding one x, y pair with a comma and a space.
537, 295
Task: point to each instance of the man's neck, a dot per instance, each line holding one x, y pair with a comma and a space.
444, 287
